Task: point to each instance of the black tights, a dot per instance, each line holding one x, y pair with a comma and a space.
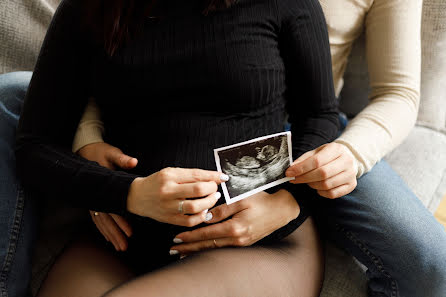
291, 267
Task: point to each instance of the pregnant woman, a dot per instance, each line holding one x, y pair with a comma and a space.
175, 79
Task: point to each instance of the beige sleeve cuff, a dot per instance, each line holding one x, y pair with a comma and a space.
90, 127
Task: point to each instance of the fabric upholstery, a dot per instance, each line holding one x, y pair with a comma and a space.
23, 25
432, 112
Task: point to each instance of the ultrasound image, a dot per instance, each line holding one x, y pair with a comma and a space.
255, 164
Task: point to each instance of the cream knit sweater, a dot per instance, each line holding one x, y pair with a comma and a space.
393, 46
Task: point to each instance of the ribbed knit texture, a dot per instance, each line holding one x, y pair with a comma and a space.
185, 85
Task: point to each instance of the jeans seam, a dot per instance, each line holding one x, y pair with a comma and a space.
375, 260
14, 237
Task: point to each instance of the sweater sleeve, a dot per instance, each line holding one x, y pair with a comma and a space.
56, 98
90, 128
393, 46
311, 100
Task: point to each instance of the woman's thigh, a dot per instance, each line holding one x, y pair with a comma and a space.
291, 267
84, 269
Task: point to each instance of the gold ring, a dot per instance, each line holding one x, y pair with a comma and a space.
215, 243
96, 213
180, 206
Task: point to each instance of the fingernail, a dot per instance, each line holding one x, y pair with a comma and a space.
209, 216
224, 177
173, 252
217, 195
177, 240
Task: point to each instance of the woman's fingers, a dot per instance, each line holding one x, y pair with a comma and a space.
114, 232
208, 232
186, 175
123, 224
189, 248
188, 220
224, 211
194, 190
196, 205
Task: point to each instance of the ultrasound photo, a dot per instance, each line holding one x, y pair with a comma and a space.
254, 165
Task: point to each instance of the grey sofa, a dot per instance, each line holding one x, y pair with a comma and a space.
420, 160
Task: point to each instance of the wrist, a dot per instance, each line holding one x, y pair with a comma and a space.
288, 203
134, 190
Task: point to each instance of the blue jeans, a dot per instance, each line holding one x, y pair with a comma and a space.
17, 217
387, 228
381, 222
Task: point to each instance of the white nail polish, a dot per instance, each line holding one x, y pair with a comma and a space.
177, 240
217, 195
173, 252
209, 216
224, 177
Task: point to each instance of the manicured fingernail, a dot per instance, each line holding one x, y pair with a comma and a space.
209, 216
173, 252
217, 195
177, 240
224, 177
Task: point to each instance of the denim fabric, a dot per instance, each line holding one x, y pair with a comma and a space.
387, 228
17, 217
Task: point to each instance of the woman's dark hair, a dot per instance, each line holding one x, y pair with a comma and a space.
115, 21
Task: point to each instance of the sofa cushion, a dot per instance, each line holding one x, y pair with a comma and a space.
433, 79
421, 161
23, 24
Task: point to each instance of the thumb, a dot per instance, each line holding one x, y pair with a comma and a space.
119, 159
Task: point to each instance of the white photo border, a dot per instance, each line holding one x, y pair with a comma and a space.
228, 198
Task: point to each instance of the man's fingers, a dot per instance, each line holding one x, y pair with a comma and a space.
119, 159
323, 156
186, 175
114, 232
322, 173
123, 224
340, 179
190, 248
98, 224
338, 191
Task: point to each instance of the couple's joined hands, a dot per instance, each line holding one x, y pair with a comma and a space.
330, 169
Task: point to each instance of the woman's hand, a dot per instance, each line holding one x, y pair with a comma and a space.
165, 195
330, 169
113, 227
252, 219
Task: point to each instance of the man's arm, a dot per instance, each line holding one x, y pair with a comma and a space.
394, 62
90, 127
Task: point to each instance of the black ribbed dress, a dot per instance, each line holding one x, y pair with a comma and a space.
186, 84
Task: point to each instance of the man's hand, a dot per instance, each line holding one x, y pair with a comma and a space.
251, 220
108, 156
330, 169
113, 227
